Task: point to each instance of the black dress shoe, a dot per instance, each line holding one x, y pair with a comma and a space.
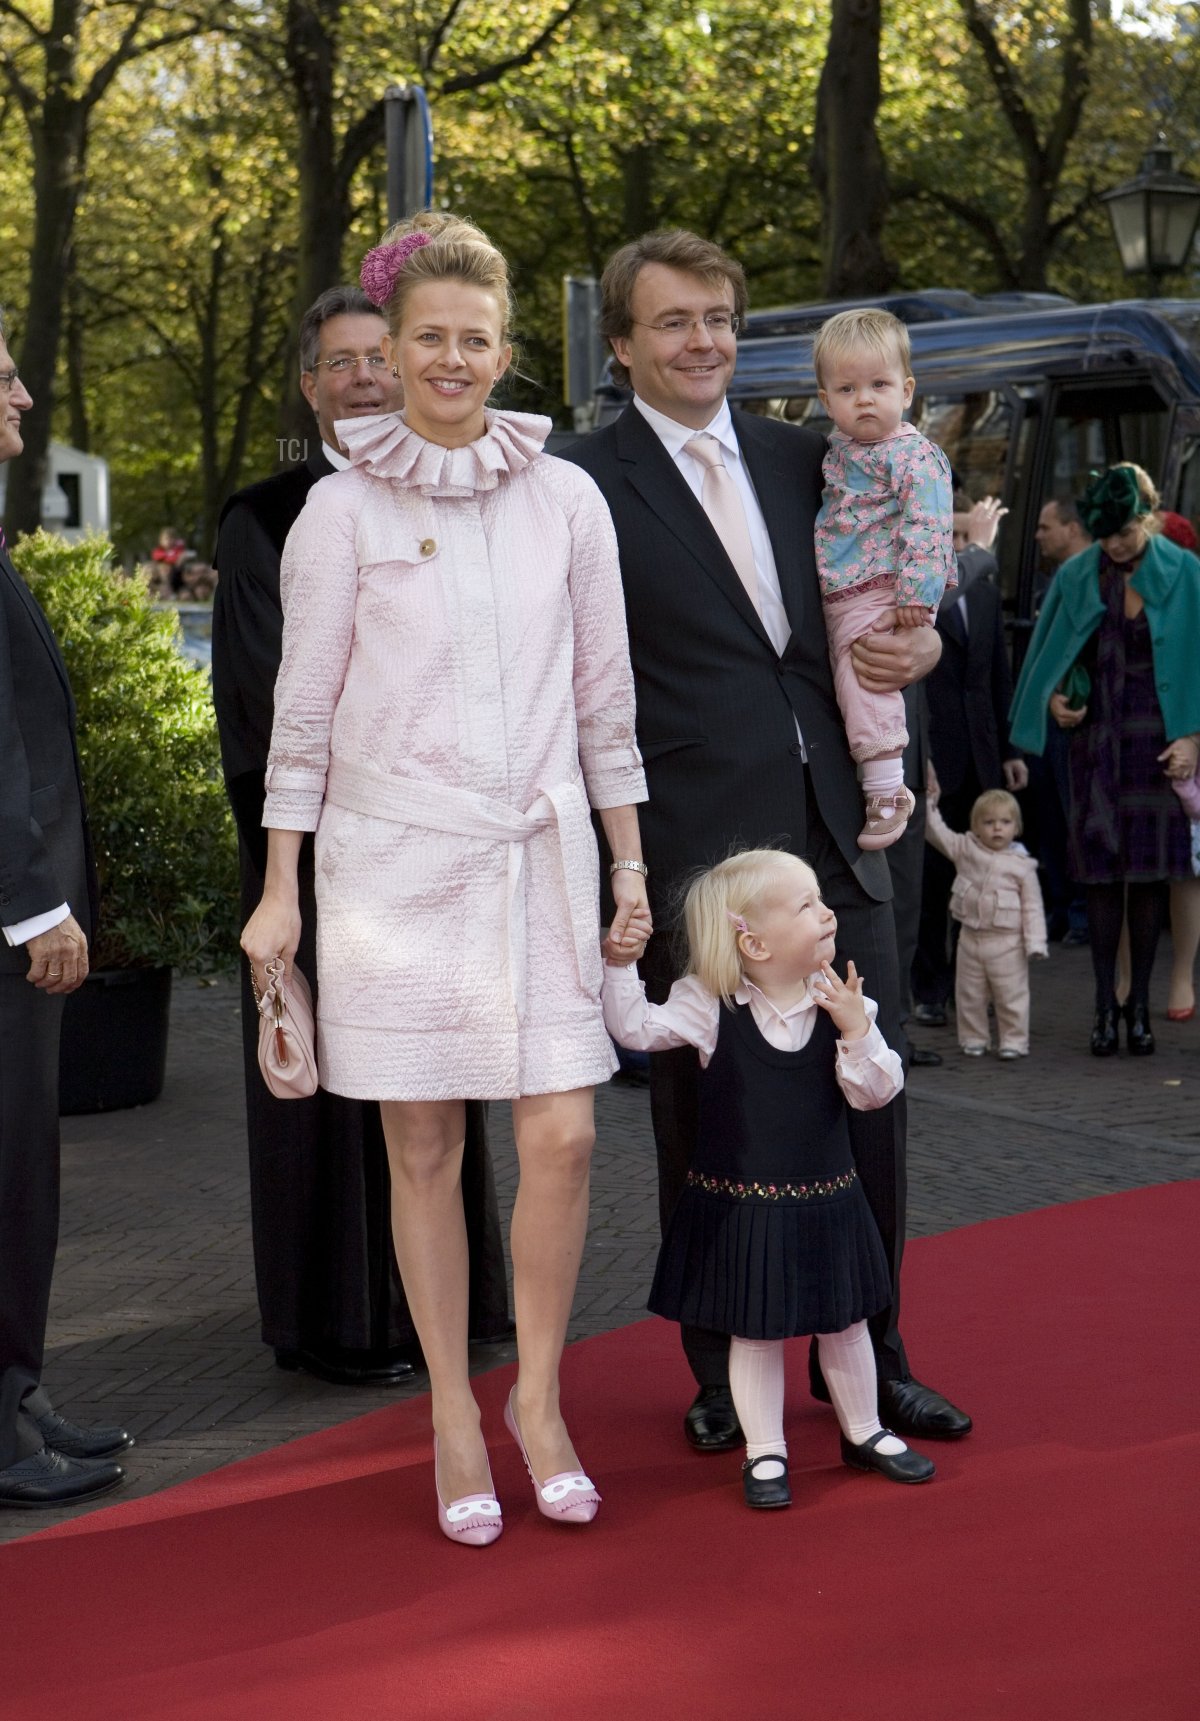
375, 1369
47, 1479
933, 1015
907, 1407
906, 1466
1139, 1036
921, 1058
74, 1442
766, 1493
711, 1423
1104, 1034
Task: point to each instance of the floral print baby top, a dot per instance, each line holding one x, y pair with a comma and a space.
886, 518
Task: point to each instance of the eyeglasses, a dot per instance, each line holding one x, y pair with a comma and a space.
7, 380
680, 328
340, 365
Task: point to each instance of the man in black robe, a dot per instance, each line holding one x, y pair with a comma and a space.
328, 1289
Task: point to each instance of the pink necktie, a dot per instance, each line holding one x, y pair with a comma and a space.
721, 502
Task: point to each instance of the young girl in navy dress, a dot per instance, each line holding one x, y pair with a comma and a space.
772, 1236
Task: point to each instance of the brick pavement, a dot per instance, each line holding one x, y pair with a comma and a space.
153, 1319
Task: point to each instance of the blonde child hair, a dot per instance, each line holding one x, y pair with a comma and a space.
715, 910
996, 800
849, 331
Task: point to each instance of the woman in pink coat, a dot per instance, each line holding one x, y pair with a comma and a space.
455, 695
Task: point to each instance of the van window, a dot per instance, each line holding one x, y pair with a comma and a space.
975, 431
1096, 427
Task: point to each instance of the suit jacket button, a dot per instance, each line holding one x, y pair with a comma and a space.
796, 749
428, 546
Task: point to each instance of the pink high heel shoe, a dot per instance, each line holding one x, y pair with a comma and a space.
570, 1497
473, 1521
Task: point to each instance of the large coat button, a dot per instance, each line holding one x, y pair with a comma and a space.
428, 546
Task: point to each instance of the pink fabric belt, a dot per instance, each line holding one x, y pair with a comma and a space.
463, 813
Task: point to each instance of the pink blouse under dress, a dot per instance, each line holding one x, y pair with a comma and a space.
869, 1073
455, 690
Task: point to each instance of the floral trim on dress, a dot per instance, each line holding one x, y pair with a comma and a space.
770, 1191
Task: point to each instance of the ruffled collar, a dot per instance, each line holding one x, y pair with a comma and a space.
386, 447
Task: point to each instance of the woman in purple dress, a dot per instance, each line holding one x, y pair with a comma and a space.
1112, 662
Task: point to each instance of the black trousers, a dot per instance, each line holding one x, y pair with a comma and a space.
30, 1028
866, 935
320, 1200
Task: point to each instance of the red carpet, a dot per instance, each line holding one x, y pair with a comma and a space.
1049, 1573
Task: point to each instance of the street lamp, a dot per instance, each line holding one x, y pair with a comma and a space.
1154, 216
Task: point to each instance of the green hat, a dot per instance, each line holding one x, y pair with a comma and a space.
1111, 501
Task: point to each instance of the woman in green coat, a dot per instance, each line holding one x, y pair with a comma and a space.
1113, 661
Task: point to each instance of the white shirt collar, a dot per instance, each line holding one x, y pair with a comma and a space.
749, 993
335, 457
675, 436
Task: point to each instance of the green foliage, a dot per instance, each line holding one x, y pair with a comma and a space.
165, 845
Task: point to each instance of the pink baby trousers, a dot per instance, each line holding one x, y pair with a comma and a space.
874, 722
992, 964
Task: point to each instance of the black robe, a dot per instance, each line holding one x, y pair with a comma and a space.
319, 1187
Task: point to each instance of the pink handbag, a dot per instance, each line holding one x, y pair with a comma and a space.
287, 1042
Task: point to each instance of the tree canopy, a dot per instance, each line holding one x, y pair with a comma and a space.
178, 181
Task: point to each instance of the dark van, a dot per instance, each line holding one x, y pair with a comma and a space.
1027, 393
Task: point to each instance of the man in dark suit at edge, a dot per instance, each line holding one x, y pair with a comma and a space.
737, 721
328, 1290
47, 913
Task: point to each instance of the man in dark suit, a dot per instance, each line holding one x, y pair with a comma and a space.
968, 693
329, 1293
737, 719
47, 913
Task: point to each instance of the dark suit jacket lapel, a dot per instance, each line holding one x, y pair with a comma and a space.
663, 487
41, 625
778, 492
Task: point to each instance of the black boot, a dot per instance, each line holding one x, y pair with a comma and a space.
1139, 1037
1104, 1033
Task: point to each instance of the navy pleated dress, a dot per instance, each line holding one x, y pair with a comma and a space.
772, 1236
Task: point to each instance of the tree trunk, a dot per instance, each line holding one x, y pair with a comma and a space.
312, 55
637, 184
847, 162
58, 148
76, 314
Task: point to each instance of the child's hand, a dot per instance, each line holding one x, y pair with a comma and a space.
913, 615
843, 999
1038, 955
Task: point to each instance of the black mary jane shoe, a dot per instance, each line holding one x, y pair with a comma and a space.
906, 1466
766, 1493
1139, 1036
1104, 1034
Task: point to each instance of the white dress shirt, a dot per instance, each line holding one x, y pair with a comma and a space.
23, 930
868, 1072
335, 457
674, 438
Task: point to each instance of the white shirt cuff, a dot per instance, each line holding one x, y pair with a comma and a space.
24, 930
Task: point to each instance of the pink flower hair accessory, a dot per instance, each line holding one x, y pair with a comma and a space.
381, 267
737, 920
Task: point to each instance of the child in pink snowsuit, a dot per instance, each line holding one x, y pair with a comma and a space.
997, 902
885, 553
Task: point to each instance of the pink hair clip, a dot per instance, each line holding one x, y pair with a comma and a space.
381, 267
737, 921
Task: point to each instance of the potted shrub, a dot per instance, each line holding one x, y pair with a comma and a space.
166, 851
